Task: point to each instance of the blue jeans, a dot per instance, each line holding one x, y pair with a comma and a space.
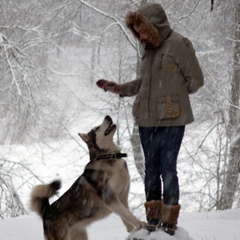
161, 147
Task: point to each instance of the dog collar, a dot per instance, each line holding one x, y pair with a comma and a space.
117, 155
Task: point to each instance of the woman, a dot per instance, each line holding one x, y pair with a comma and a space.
169, 73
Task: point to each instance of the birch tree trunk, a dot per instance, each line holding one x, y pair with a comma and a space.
230, 184
135, 139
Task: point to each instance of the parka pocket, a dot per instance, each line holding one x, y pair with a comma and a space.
168, 107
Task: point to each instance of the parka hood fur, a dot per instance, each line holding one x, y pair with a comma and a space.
151, 19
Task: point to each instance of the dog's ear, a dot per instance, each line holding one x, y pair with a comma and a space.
84, 137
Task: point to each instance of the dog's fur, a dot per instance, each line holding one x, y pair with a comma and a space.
101, 189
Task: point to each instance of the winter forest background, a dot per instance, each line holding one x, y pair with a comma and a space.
52, 53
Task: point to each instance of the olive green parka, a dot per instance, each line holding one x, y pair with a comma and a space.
170, 72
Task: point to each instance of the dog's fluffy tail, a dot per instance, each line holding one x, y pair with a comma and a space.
40, 195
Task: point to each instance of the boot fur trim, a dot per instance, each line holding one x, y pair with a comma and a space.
154, 210
170, 214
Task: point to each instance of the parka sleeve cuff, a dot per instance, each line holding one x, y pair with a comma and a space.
130, 88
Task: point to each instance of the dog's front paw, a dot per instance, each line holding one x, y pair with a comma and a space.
142, 225
130, 228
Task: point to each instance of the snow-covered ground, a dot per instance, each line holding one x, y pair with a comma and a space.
221, 225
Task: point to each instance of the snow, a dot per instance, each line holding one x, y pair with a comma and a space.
64, 163
220, 225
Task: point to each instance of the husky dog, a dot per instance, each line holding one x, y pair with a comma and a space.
101, 189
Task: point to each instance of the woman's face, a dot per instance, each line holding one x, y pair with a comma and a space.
142, 35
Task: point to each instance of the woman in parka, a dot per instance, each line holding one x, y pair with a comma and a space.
169, 73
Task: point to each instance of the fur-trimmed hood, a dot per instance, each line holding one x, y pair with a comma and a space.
152, 19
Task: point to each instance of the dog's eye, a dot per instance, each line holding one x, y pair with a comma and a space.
96, 129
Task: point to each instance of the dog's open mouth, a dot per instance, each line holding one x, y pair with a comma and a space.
111, 126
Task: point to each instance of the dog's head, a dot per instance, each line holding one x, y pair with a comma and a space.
100, 139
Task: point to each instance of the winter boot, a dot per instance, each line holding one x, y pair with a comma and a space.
170, 215
154, 212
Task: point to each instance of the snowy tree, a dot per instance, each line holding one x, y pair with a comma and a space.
33, 108
13, 177
231, 181
54, 51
